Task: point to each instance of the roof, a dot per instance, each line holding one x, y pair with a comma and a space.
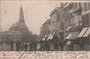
19, 27
55, 10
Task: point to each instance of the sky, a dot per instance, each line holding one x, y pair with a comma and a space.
35, 13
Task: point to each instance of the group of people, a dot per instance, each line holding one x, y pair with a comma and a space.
56, 43
52, 44
23, 46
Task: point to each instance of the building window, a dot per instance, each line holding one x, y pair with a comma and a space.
78, 5
85, 20
75, 5
85, 6
88, 6
72, 21
77, 19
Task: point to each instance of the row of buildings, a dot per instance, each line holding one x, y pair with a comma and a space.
8, 36
71, 19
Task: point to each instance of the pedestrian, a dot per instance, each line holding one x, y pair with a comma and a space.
25, 46
61, 35
17, 45
82, 44
55, 39
35, 45
30, 46
69, 45
47, 46
11, 43
21, 46
1, 43
41, 46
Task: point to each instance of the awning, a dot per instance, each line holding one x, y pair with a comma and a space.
50, 36
82, 32
69, 28
43, 39
68, 36
76, 25
87, 32
72, 35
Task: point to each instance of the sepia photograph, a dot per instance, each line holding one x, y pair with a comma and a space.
44, 26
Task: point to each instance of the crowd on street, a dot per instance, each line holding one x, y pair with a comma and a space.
54, 44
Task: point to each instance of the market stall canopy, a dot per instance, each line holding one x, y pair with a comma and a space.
69, 28
50, 37
82, 32
87, 32
72, 36
43, 39
68, 36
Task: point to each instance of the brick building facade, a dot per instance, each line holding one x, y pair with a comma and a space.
72, 19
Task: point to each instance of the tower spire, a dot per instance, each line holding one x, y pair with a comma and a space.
21, 16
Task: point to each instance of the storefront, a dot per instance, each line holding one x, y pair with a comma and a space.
71, 40
50, 38
84, 38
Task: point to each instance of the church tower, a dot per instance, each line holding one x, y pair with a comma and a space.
21, 16
20, 25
